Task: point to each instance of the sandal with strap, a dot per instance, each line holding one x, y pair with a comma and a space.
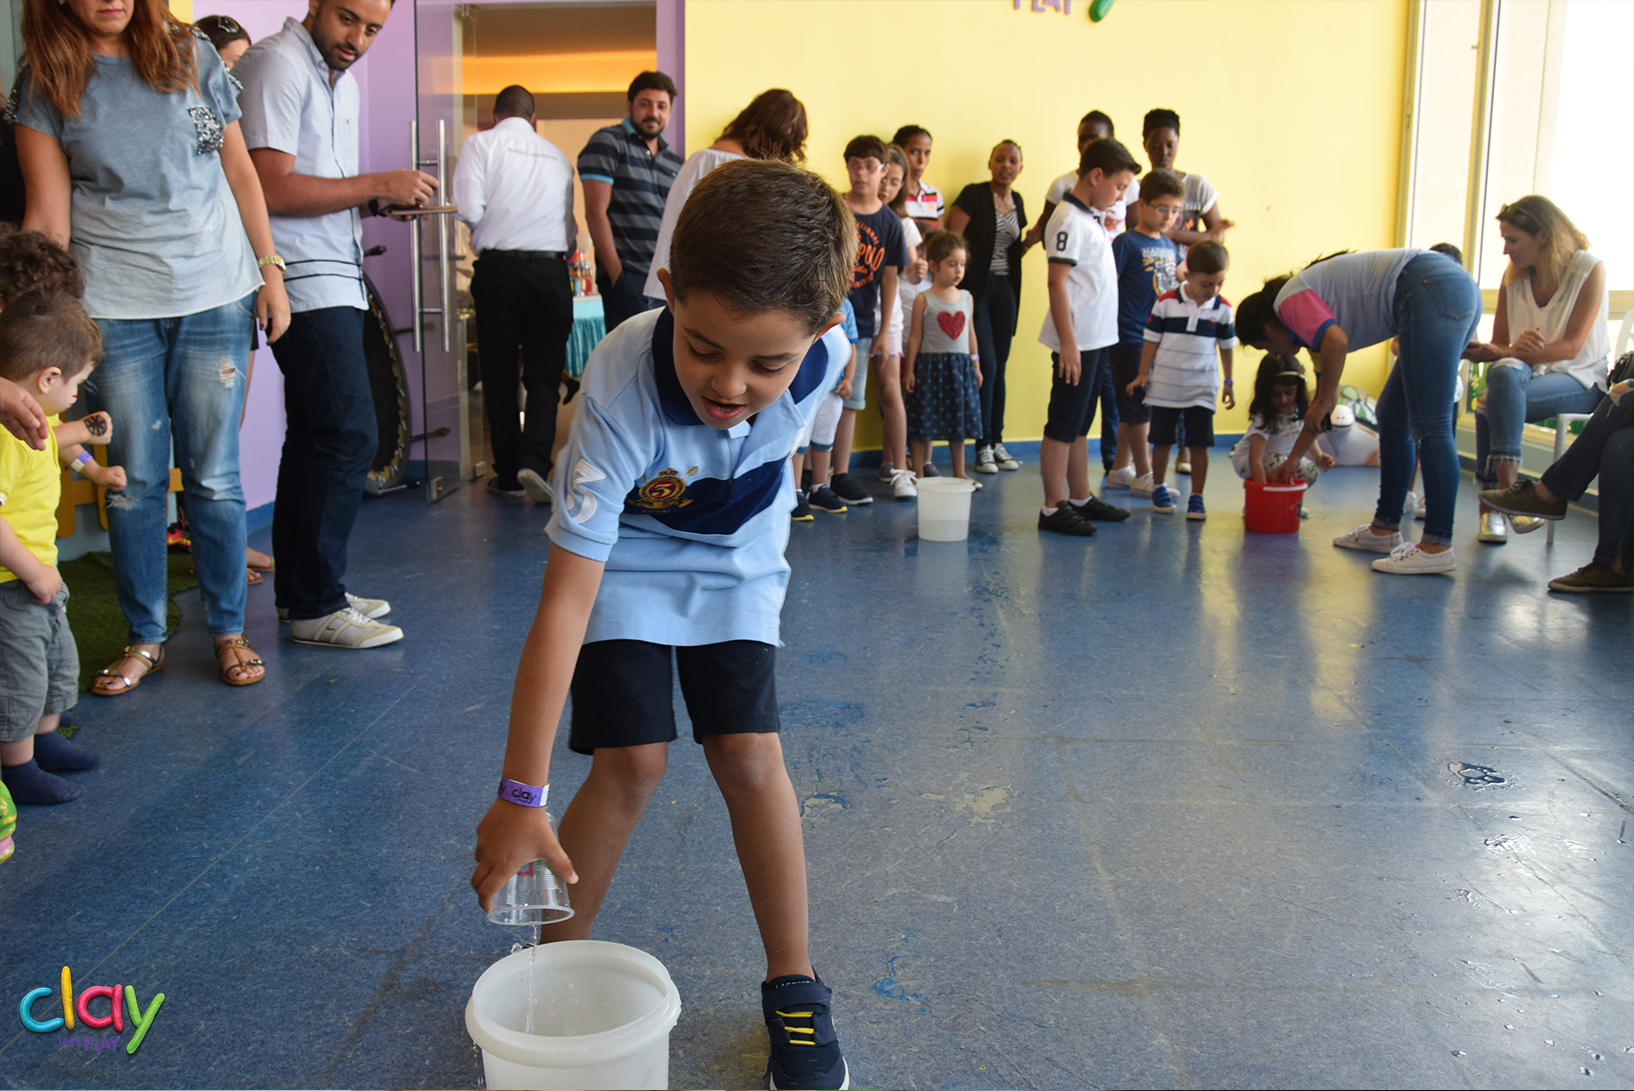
239, 663
154, 664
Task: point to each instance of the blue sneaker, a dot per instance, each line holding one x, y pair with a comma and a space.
1195, 508
1163, 500
805, 1050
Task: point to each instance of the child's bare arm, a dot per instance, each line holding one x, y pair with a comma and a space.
40, 578
1070, 366
844, 389
1256, 457
973, 349
1225, 369
1148, 352
916, 335
510, 835
109, 477
96, 428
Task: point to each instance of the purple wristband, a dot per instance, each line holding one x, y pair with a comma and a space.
523, 795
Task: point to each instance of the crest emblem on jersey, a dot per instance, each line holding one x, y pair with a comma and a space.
666, 492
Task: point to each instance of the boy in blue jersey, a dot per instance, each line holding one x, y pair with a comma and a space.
667, 544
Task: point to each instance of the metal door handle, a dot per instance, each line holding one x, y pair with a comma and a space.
445, 309
414, 245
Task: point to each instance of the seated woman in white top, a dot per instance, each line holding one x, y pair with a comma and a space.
773, 126
1549, 343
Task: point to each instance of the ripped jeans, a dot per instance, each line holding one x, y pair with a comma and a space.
176, 381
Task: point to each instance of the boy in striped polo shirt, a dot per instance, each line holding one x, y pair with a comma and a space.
1177, 368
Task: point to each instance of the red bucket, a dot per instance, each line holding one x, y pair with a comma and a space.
1272, 509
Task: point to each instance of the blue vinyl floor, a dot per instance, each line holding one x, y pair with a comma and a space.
1171, 807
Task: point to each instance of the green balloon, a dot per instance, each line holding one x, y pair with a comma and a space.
1100, 9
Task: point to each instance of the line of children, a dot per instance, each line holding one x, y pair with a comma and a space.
889, 352
812, 455
941, 375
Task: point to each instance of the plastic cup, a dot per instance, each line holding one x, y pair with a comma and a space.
533, 896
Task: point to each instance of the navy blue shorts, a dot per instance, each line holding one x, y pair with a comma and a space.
1199, 425
1125, 370
1072, 408
623, 692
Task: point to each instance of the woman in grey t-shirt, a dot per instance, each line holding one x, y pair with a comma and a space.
140, 169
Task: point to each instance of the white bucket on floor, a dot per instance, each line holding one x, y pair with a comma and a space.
944, 508
602, 1015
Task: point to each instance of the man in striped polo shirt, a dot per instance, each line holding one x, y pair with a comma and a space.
627, 171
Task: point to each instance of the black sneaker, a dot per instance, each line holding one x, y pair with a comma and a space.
1096, 508
498, 486
823, 499
1066, 520
849, 491
805, 1049
802, 510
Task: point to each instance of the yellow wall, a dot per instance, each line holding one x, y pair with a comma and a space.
1292, 110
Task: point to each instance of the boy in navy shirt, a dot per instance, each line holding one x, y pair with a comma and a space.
667, 538
1146, 260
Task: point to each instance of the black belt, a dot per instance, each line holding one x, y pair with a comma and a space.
556, 255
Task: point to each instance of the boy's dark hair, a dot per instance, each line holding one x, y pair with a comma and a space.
1160, 119
1450, 250
1096, 117
46, 329
942, 243
773, 126
29, 262
1162, 183
1107, 156
1277, 371
765, 236
513, 101
651, 81
907, 133
865, 147
1207, 257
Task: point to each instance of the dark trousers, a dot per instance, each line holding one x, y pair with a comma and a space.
1109, 417
524, 308
622, 298
995, 327
328, 447
1605, 449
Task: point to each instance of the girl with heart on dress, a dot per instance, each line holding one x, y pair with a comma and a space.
942, 376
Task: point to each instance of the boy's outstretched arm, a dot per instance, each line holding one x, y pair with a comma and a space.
510, 835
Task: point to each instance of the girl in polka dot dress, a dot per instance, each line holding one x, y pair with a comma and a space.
942, 374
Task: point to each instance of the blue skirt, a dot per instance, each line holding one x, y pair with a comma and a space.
945, 402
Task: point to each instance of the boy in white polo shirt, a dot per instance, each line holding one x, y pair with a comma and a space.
667, 538
1081, 324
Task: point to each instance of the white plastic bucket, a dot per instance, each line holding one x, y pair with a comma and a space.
944, 508
602, 1015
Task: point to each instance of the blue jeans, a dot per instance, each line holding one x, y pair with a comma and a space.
1437, 308
1514, 397
328, 447
1605, 449
181, 381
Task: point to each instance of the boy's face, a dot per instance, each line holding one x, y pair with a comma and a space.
1158, 213
864, 174
58, 393
1105, 189
1095, 130
918, 151
733, 365
1202, 287
1161, 146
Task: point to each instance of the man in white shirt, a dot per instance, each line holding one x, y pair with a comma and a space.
300, 104
514, 190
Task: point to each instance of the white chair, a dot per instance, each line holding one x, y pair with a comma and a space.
1564, 421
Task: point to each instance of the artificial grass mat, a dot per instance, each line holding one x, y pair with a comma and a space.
100, 630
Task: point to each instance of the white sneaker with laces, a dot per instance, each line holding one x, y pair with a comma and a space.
344, 629
1141, 486
902, 486
1119, 479
1409, 560
369, 608
1364, 539
984, 461
1004, 459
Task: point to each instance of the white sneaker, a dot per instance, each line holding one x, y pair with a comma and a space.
1422, 510
1004, 459
984, 461
344, 629
902, 485
1409, 560
1364, 539
535, 487
369, 608
1119, 479
1410, 504
1141, 486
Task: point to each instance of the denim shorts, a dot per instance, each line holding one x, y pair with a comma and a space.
39, 664
622, 692
859, 383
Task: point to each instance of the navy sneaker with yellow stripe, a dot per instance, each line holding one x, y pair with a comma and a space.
805, 1050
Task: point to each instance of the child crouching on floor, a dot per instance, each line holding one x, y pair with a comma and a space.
1275, 418
47, 346
668, 536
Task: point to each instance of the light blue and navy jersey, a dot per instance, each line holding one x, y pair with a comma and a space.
641, 183
691, 521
